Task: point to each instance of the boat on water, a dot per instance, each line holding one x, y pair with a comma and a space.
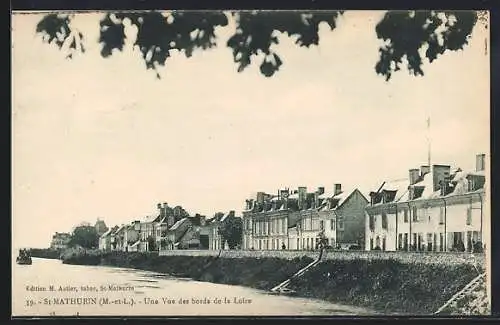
24, 257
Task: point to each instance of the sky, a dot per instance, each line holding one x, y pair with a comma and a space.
103, 138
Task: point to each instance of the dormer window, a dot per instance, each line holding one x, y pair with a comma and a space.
471, 184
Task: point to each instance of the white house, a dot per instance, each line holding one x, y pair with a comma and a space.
434, 209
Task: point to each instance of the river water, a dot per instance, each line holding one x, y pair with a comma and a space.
108, 291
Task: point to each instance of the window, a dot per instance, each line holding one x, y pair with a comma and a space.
469, 216
420, 242
372, 223
429, 242
441, 242
471, 185
341, 224
405, 215
283, 225
321, 224
384, 220
441, 215
415, 214
371, 243
400, 241
332, 224
405, 242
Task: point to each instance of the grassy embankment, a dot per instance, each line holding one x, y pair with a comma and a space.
391, 284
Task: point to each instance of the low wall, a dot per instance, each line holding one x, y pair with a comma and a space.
446, 258
45, 253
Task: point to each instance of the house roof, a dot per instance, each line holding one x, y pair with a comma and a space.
459, 184
163, 220
178, 224
148, 219
107, 233
341, 198
225, 216
120, 229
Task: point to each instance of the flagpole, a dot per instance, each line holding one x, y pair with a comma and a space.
428, 141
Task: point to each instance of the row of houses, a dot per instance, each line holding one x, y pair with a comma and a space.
171, 228
434, 209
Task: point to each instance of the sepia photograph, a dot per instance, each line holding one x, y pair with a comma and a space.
250, 163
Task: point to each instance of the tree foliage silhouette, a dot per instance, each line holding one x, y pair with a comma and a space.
405, 34
84, 236
231, 232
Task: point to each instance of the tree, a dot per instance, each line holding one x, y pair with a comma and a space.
151, 244
231, 232
405, 34
84, 236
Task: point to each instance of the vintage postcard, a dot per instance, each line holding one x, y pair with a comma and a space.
256, 163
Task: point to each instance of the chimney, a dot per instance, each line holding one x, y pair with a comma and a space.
302, 197
424, 169
316, 200
440, 173
260, 197
337, 189
414, 175
160, 209
321, 190
231, 214
480, 162
249, 204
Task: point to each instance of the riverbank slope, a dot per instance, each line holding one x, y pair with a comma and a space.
391, 283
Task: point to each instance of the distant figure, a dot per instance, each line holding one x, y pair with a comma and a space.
283, 246
461, 246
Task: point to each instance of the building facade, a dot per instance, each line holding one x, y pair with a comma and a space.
60, 240
434, 209
105, 241
100, 227
297, 220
